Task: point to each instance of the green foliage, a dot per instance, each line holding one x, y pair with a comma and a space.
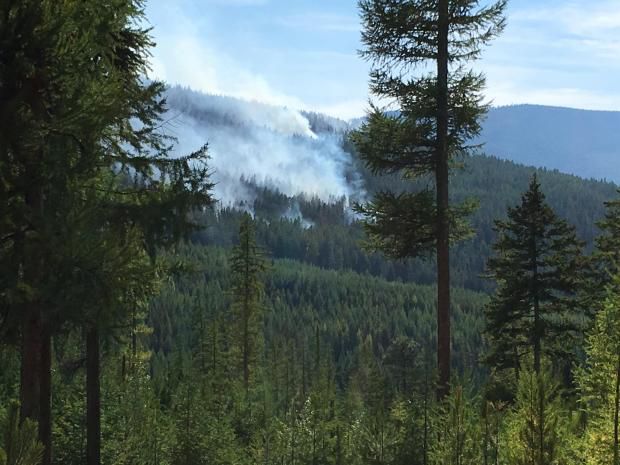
20, 445
608, 242
418, 53
493, 414
334, 241
457, 431
247, 267
604, 261
345, 306
204, 431
144, 437
322, 358
538, 267
599, 382
401, 41
536, 432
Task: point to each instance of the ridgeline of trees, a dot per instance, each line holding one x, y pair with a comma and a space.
138, 326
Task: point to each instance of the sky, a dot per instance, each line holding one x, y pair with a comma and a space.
303, 53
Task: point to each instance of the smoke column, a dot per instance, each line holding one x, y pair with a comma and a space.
273, 146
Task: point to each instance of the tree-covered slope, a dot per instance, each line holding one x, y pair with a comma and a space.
289, 166
303, 302
325, 234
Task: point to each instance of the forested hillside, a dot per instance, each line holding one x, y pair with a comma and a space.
327, 234
306, 305
284, 165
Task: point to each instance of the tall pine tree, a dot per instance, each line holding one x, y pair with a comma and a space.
438, 111
248, 265
74, 105
537, 267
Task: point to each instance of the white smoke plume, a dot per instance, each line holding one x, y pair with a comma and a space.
293, 213
273, 146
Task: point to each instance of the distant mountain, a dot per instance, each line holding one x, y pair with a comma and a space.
581, 142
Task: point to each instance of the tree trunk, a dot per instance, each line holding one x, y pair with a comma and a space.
293, 445
29, 392
497, 439
338, 447
317, 354
617, 414
93, 398
537, 336
286, 395
517, 364
246, 348
45, 393
426, 395
246, 316
487, 433
443, 227
541, 418
134, 338
303, 370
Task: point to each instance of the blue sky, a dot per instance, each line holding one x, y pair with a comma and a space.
303, 53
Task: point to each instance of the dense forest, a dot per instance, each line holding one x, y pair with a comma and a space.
438, 307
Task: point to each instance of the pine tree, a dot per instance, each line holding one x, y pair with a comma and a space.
605, 258
248, 265
537, 268
458, 439
608, 242
135, 427
437, 114
599, 384
33, 117
535, 427
493, 415
73, 92
124, 279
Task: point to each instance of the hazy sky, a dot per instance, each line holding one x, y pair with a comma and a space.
303, 53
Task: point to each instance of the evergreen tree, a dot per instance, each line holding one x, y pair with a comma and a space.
437, 114
535, 432
40, 40
458, 433
122, 279
73, 95
599, 384
493, 415
606, 257
247, 265
537, 268
135, 429
608, 242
